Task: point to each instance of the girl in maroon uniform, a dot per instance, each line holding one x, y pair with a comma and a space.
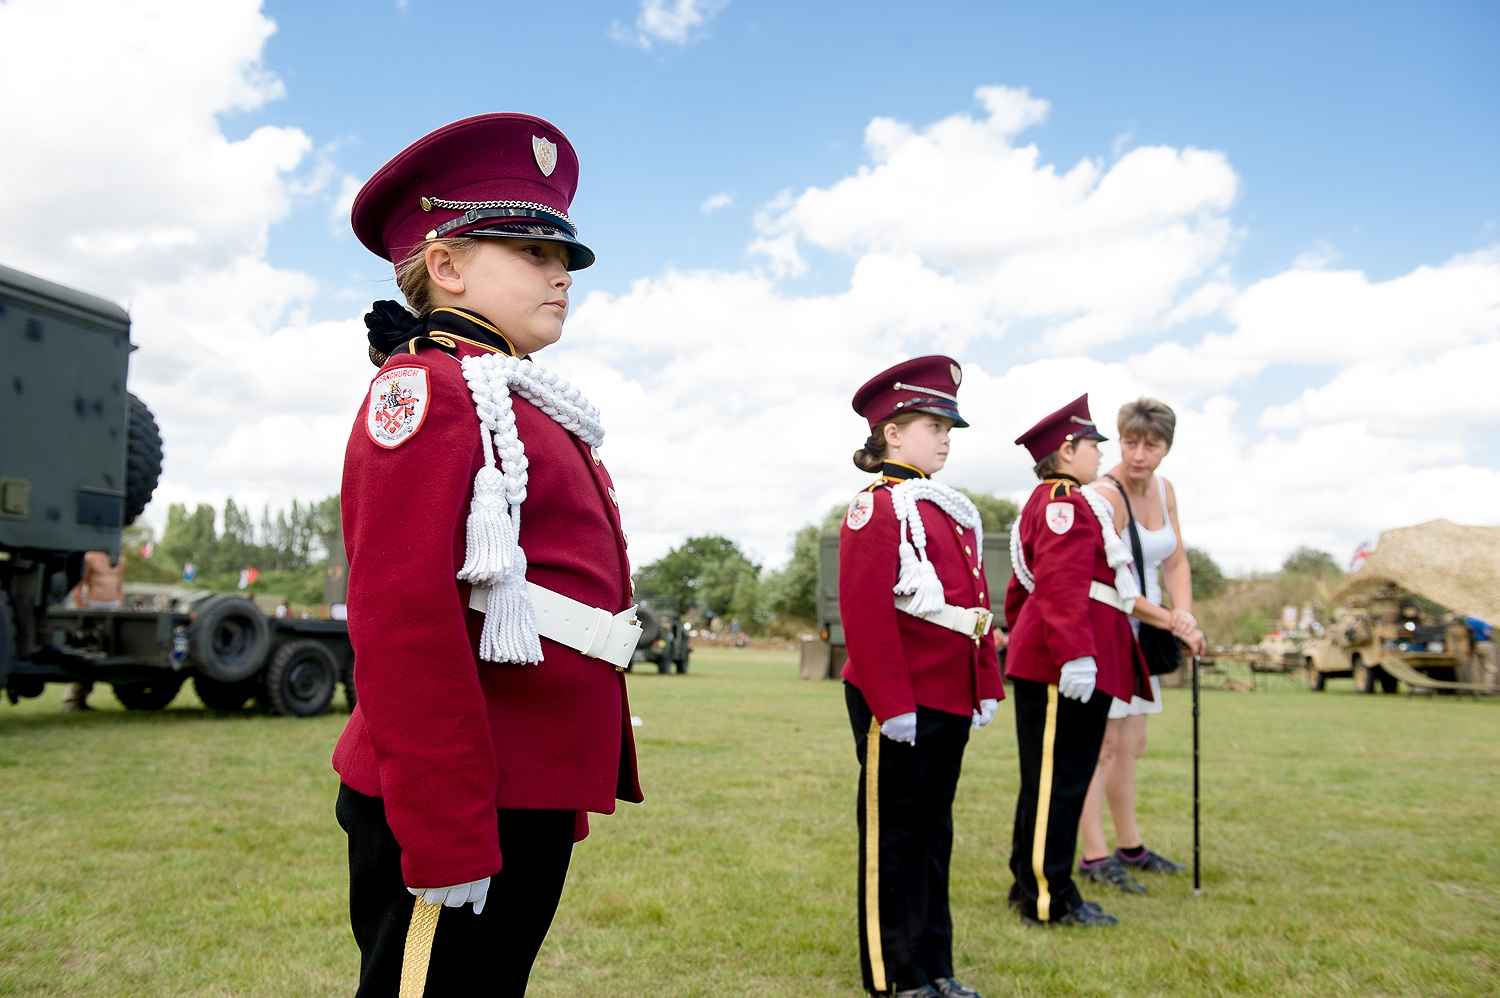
922, 670
489, 590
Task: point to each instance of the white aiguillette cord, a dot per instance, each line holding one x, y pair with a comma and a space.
494, 557
918, 578
1115, 551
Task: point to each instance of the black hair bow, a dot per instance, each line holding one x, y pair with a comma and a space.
391, 325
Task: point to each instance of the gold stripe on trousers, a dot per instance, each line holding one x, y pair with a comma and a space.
872, 856
1043, 807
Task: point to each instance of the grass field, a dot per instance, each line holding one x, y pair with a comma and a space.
1352, 847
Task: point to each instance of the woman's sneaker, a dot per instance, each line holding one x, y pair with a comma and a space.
1109, 871
1148, 861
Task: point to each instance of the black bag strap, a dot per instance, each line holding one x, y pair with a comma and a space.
1135, 536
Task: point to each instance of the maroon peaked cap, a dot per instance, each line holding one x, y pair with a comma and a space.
922, 384
508, 176
1071, 422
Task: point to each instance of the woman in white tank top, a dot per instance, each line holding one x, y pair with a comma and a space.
1146, 430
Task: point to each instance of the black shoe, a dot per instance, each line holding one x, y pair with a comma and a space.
1151, 862
925, 991
1090, 916
949, 988
1109, 871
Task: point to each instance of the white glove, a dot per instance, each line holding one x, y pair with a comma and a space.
986, 712
456, 896
1077, 679
901, 728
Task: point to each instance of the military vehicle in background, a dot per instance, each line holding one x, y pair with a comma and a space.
80, 460
664, 635
823, 657
1405, 611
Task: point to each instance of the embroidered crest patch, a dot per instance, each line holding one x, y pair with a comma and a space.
861, 509
1060, 517
398, 405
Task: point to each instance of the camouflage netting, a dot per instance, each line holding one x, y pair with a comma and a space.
1455, 566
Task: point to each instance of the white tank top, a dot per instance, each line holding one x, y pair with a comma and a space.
1156, 546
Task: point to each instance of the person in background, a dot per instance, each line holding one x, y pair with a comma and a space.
1146, 429
922, 671
101, 588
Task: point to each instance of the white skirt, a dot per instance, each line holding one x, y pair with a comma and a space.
1135, 705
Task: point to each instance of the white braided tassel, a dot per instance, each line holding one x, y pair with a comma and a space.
1116, 552
494, 557
918, 578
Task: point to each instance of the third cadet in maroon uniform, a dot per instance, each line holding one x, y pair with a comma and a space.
489, 590
922, 670
1071, 649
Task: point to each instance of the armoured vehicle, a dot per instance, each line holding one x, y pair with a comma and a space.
664, 635
1406, 608
79, 460
823, 658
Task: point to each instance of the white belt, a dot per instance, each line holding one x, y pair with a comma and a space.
971, 622
1109, 596
595, 632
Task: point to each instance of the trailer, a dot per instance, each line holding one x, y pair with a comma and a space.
230, 649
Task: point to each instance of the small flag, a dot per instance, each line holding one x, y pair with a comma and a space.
189, 572
248, 577
148, 549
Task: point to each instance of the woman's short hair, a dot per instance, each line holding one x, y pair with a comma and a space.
872, 455
1147, 418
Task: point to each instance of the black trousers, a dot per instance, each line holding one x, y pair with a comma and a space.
1058, 744
487, 954
905, 815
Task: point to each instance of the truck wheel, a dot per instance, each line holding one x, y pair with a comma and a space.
227, 638
1388, 683
152, 695
1364, 679
143, 461
226, 697
1315, 679
301, 678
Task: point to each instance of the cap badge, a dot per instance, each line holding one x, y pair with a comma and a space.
546, 155
958, 376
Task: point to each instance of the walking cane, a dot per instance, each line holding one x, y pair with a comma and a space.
1197, 850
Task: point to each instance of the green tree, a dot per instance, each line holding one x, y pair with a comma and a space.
189, 537
1208, 577
1310, 561
792, 592
995, 513
710, 573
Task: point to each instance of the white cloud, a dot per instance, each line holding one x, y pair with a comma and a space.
678, 22
118, 179
711, 204
709, 377
725, 392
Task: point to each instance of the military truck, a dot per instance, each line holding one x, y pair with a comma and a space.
1405, 608
824, 657
664, 635
79, 460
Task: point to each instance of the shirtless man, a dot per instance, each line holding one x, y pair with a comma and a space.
102, 588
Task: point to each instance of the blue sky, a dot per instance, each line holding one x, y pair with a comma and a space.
1281, 219
1365, 133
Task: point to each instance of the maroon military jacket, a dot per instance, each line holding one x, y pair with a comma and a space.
897, 661
1059, 622
441, 736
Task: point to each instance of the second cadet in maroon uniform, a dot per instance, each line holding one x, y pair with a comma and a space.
1071, 649
489, 589
922, 671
